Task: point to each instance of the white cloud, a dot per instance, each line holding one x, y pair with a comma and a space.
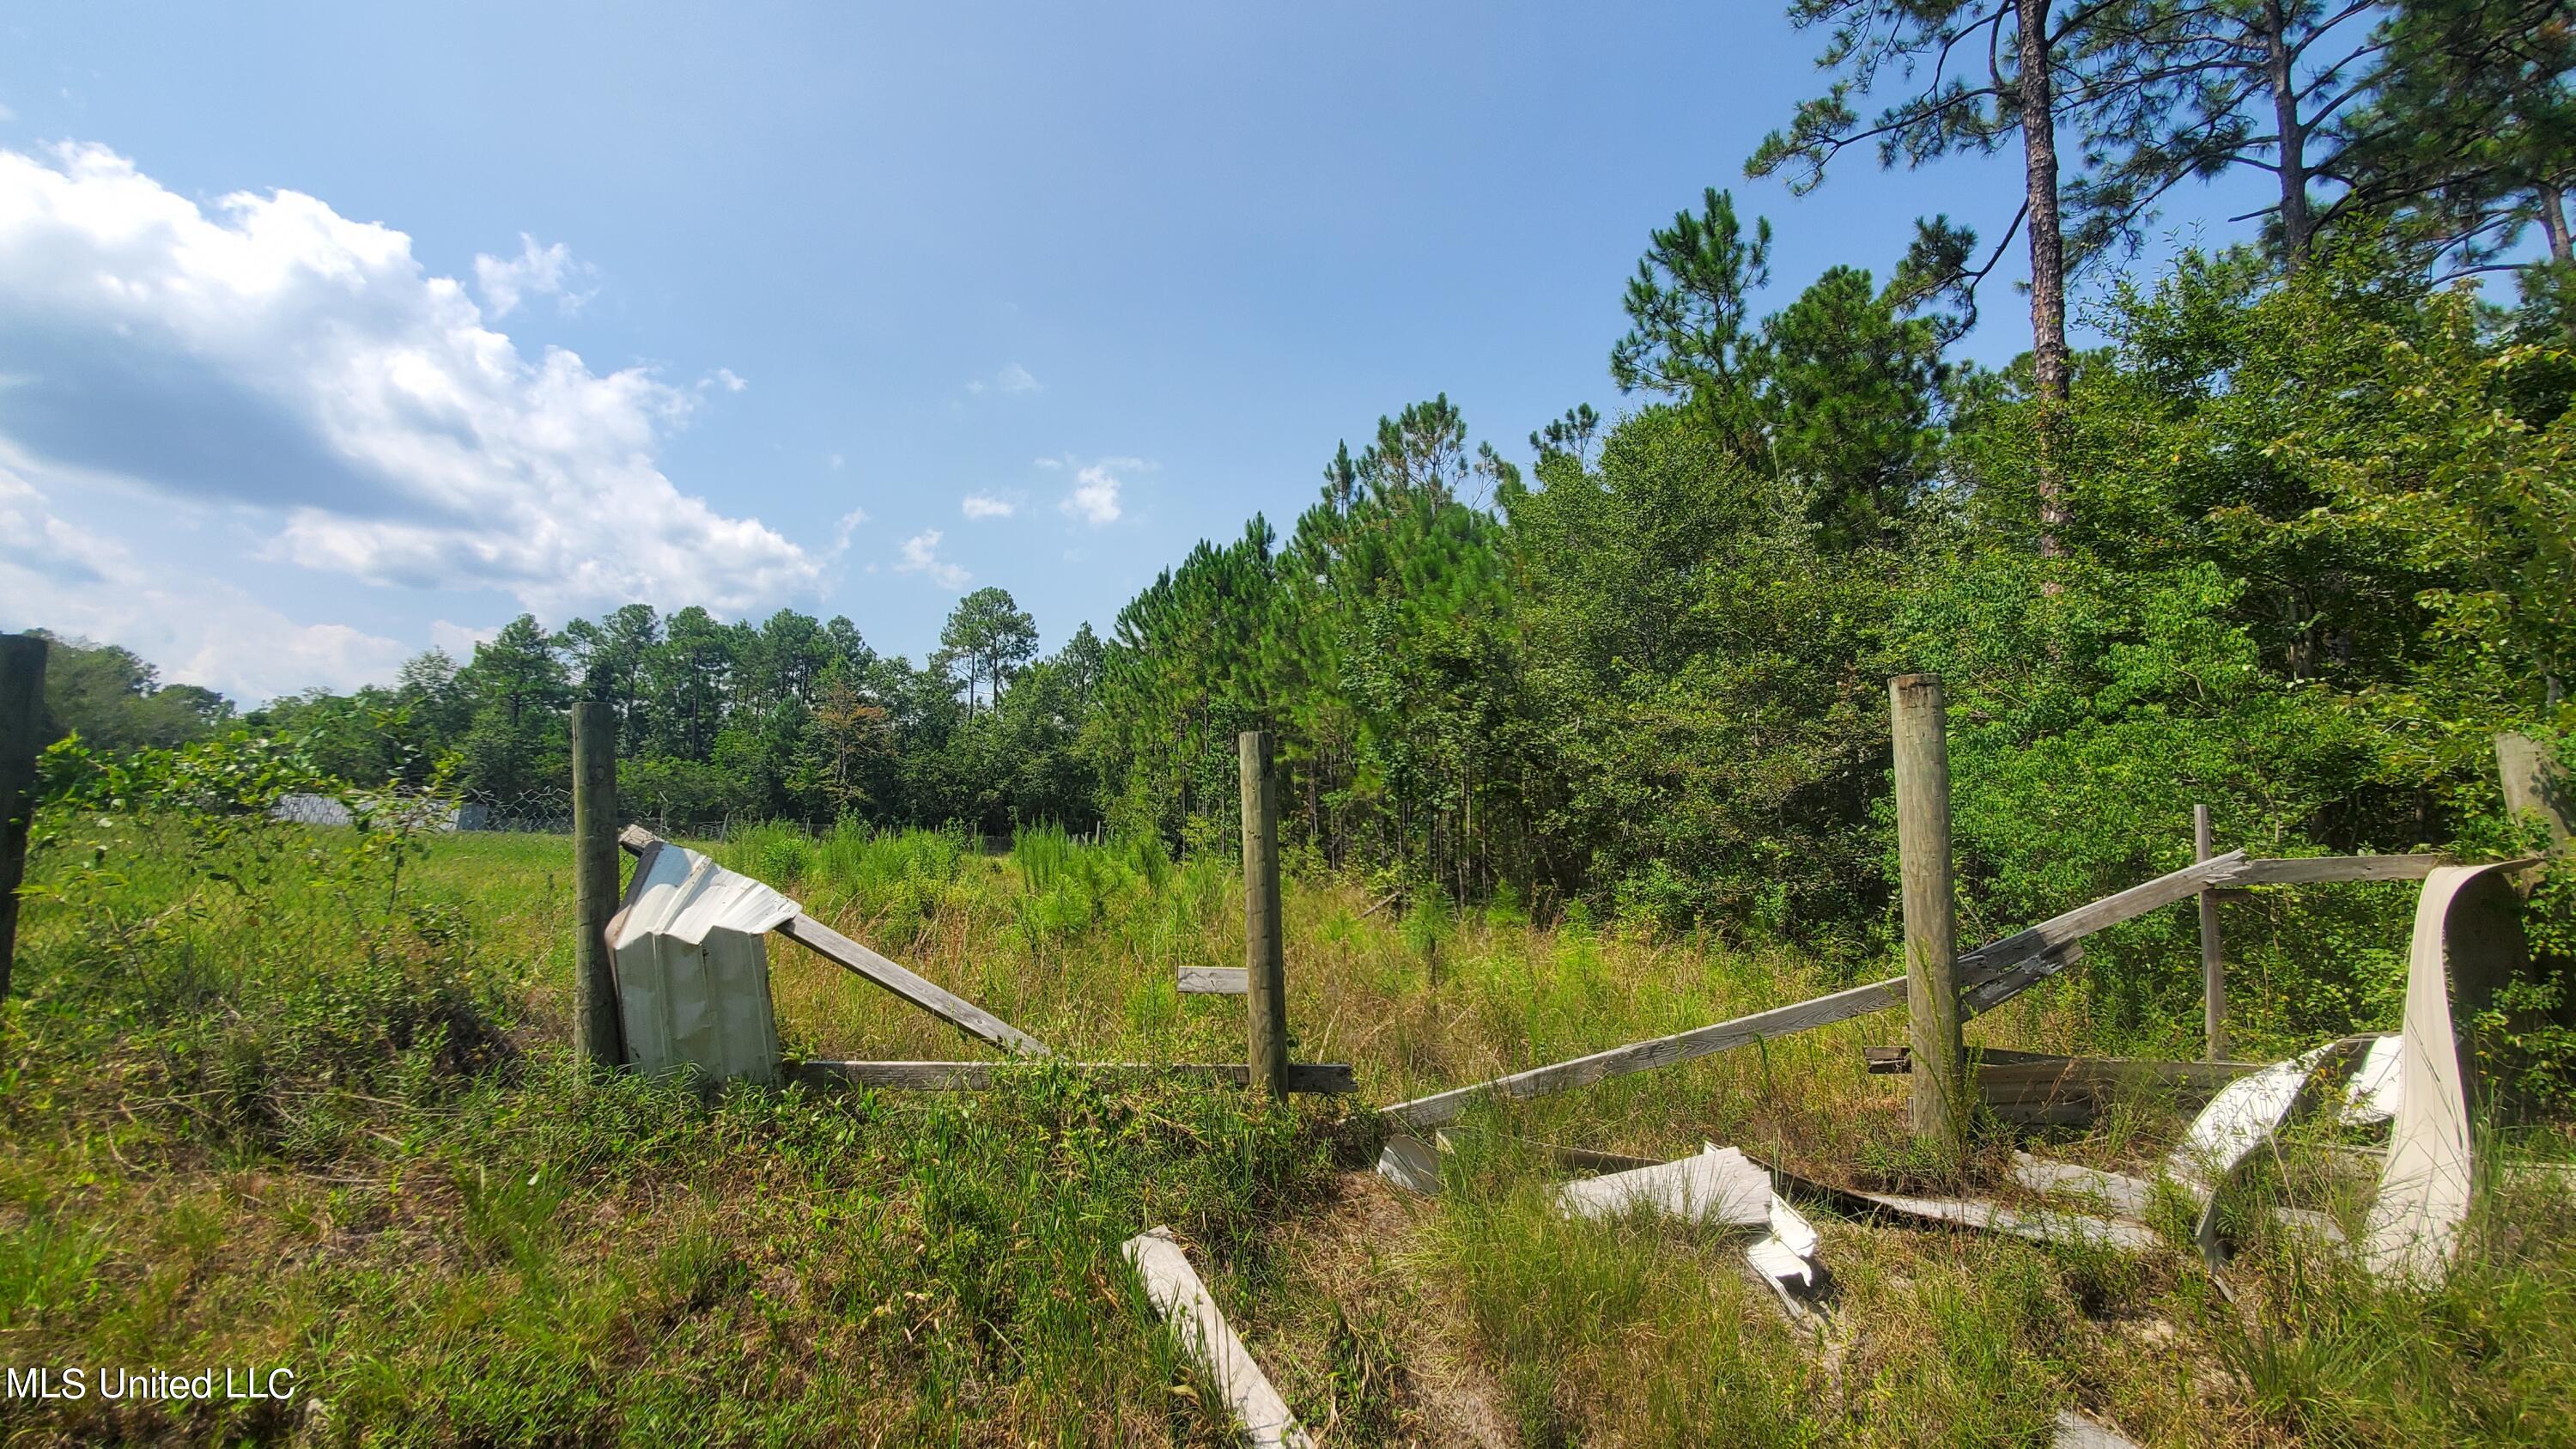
920, 556
535, 270
305, 368
1046, 462
197, 630
1013, 378
981, 505
1096, 489
732, 381
459, 639
850, 522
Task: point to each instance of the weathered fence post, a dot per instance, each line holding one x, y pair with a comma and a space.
597, 1034
1921, 731
2213, 961
1264, 954
22, 720
2534, 781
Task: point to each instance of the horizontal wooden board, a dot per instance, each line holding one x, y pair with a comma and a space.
2323, 869
1216, 980
1441, 1108
1329, 1078
1988, 976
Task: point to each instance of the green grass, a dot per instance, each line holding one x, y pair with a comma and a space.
301, 1118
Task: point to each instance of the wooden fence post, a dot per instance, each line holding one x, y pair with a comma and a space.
1264, 954
2213, 961
1921, 736
22, 720
2533, 781
598, 1036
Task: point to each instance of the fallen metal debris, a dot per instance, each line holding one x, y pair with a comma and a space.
2074, 1431
1410, 1163
692, 964
1204, 1335
1718, 1183
2043, 1226
2378, 1084
2467, 941
2240, 1121
2114, 1192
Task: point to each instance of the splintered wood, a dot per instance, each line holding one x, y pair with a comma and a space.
1204, 1335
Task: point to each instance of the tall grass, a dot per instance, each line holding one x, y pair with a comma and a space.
329, 1125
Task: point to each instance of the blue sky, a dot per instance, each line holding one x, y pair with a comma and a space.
329, 332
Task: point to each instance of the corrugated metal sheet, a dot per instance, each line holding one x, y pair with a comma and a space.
693, 968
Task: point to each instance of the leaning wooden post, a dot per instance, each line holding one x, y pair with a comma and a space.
597, 1034
2213, 961
2534, 782
22, 720
1264, 954
1921, 730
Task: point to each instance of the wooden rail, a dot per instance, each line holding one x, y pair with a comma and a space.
1330, 1078
1988, 976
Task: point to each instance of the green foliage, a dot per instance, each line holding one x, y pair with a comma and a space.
115, 701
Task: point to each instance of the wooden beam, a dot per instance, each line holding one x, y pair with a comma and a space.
1216, 980
2326, 869
841, 951
1988, 976
931, 997
1321, 1078
2084, 920
1440, 1108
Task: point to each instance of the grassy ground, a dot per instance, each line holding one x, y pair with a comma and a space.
281, 1102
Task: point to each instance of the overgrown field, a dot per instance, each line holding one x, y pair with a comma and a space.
286, 1098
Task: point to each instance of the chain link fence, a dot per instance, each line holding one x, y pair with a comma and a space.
535, 812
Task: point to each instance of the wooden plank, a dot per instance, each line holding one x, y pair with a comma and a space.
2324, 869
1898, 1060
2084, 920
1423, 1113
1216, 980
1323, 1078
841, 951
956, 1010
1203, 1334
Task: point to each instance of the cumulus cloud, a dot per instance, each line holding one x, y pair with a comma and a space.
1013, 378
984, 505
921, 556
58, 576
307, 369
1096, 490
536, 270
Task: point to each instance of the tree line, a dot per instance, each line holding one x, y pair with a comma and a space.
2295, 542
